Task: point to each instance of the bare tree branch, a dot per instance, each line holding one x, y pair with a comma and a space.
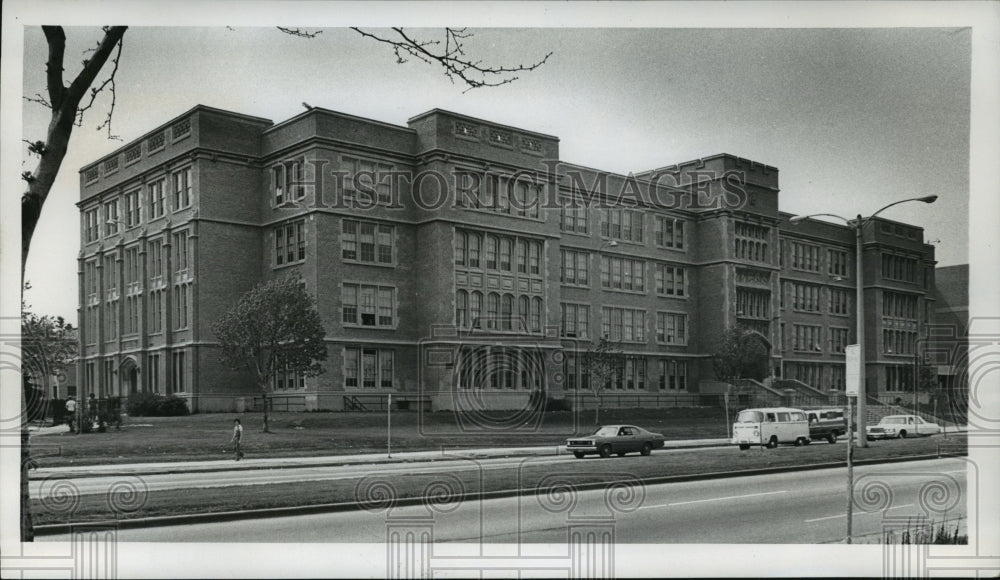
451, 55
56, 39
299, 32
110, 81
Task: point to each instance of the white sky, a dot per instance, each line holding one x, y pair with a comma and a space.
853, 118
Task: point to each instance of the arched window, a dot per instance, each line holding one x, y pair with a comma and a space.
522, 313
492, 309
475, 242
462, 309
536, 314
507, 311
476, 309
460, 245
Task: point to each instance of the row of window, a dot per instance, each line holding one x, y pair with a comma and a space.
108, 319
368, 368
806, 257
629, 373
501, 194
502, 312
368, 305
135, 200
750, 242
899, 268
110, 386
808, 338
493, 252
899, 305
499, 367
133, 267
899, 342
820, 376
806, 298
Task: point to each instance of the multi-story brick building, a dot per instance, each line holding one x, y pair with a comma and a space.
458, 261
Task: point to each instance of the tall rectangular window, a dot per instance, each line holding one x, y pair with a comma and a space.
182, 188
111, 217
179, 371
152, 373
181, 252
290, 242
619, 273
157, 202
670, 280
573, 217
575, 267
839, 301
367, 242
623, 324
91, 228
133, 208
671, 328
623, 224
669, 232
575, 320
751, 242
182, 296
836, 262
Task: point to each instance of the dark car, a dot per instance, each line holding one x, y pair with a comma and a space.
826, 424
620, 439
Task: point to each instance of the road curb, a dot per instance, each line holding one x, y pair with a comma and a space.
187, 519
332, 463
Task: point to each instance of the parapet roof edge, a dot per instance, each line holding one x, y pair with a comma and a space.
713, 156
162, 126
339, 114
478, 120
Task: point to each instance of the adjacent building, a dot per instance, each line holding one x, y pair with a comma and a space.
456, 261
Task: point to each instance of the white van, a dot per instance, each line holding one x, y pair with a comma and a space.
770, 426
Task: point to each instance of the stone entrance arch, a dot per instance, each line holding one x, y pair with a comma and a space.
128, 376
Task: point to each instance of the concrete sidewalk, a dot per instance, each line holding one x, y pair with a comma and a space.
452, 454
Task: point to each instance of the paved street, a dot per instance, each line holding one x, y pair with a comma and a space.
795, 507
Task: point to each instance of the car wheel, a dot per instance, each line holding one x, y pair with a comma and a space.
832, 438
772, 443
578, 454
744, 447
799, 442
646, 449
605, 451
902, 434
807, 441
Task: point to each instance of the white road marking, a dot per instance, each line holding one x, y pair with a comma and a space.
855, 513
712, 499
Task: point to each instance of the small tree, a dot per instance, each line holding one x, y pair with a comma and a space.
740, 354
600, 360
273, 327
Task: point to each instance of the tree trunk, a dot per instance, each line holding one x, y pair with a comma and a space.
265, 412
27, 527
597, 408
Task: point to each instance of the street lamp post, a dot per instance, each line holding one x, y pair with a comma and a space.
859, 224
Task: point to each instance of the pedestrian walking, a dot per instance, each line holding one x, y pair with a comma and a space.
71, 413
237, 438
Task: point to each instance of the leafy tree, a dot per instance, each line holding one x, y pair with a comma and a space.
740, 354
273, 328
601, 360
48, 344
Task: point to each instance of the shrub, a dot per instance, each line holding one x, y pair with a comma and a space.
143, 404
172, 407
557, 404
154, 405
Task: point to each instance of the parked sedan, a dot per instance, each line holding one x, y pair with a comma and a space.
620, 439
900, 426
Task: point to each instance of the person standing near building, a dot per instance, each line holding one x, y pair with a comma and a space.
71, 413
92, 408
237, 438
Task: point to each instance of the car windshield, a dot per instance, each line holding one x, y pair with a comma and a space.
750, 417
606, 432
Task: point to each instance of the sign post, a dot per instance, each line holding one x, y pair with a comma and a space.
388, 431
852, 378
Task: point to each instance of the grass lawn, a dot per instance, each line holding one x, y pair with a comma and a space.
527, 476
206, 436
